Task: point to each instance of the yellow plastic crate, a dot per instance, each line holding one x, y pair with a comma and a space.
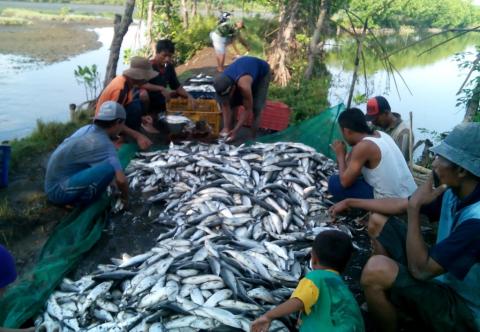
204, 109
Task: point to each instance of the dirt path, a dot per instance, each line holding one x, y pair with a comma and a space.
203, 61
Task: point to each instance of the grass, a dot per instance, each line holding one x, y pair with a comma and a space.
45, 138
63, 15
6, 212
9, 21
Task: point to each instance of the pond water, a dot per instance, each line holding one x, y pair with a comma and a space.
31, 91
433, 79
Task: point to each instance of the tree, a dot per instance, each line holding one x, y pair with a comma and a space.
315, 48
121, 24
283, 45
184, 11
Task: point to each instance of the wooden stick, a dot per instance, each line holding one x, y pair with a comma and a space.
410, 143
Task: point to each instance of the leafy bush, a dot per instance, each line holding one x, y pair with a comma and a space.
306, 98
197, 36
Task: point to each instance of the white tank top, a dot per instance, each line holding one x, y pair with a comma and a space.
391, 177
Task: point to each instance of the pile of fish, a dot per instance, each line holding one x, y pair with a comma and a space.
200, 86
239, 224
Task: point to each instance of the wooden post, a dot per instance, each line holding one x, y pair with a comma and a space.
72, 108
121, 24
410, 143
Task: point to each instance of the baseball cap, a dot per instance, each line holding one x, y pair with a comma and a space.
110, 110
8, 273
223, 85
461, 147
376, 106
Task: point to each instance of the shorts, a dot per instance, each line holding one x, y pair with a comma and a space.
219, 43
431, 304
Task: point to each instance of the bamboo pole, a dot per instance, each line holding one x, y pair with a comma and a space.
410, 143
357, 62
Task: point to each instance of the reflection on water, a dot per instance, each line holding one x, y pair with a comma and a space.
433, 79
31, 91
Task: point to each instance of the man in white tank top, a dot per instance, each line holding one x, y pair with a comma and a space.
374, 156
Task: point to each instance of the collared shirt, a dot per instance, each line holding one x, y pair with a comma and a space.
461, 249
88, 146
400, 132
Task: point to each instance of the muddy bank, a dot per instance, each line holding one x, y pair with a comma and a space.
50, 42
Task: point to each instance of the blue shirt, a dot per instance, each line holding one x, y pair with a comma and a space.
458, 246
247, 65
88, 146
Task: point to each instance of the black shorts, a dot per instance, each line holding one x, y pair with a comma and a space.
433, 304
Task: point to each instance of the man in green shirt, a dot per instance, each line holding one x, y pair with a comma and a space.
226, 33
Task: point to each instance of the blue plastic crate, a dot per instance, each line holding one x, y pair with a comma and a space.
5, 155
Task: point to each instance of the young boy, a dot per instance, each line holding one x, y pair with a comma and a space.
8, 274
325, 302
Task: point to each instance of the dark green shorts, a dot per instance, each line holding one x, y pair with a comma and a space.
434, 305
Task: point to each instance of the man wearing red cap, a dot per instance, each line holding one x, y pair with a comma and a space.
380, 114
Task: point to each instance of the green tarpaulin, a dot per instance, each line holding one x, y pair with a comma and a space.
318, 132
73, 237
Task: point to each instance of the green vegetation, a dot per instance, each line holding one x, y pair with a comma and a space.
45, 138
6, 21
418, 13
64, 15
89, 77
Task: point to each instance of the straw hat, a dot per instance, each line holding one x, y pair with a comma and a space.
140, 69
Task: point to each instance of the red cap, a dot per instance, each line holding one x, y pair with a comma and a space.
375, 106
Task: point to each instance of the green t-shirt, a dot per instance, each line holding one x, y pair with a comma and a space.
226, 29
328, 304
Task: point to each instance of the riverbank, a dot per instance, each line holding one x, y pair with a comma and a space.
49, 38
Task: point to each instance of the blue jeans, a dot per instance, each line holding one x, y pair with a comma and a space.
84, 187
359, 189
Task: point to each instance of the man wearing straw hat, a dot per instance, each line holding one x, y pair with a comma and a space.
439, 287
123, 89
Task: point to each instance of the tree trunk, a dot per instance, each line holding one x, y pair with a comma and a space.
473, 105
194, 8
284, 43
121, 24
315, 48
151, 41
184, 11
208, 7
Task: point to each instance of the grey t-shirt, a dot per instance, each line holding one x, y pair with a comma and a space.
88, 146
